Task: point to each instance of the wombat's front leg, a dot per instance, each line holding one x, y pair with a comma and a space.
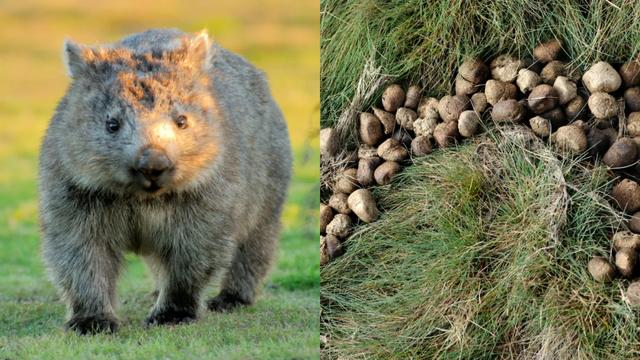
86, 271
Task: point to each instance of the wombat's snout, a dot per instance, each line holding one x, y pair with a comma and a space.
151, 168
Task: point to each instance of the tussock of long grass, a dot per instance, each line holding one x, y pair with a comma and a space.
481, 254
426, 40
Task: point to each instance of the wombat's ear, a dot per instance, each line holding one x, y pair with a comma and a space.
73, 59
200, 51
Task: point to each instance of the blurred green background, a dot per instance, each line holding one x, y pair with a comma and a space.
280, 37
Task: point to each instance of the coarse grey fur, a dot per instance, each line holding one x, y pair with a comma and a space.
216, 208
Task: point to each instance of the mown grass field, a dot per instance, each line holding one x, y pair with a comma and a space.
479, 253
280, 37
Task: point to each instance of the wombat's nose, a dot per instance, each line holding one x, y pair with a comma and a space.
152, 163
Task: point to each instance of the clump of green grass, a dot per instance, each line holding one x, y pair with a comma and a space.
481, 253
425, 41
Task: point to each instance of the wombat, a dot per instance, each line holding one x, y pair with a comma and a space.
171, 147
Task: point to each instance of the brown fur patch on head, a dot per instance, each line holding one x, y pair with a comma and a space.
189, 56
140, 89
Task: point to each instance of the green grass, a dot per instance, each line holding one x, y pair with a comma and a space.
465, 263
424, 42
278, 36
477, 254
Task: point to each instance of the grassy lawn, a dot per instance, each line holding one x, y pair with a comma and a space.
481, 252
279, 37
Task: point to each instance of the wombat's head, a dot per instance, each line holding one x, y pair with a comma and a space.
140, 122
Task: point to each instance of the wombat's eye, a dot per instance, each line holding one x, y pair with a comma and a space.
113, 125
181, 121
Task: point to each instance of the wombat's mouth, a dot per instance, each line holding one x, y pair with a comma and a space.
152, 188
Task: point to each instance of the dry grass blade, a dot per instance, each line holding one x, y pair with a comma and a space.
370, 82
622, 119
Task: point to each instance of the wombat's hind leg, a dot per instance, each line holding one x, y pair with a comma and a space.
250, 265
225, 302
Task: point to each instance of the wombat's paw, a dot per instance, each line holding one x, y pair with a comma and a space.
225, 303
170, 317
89, 325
